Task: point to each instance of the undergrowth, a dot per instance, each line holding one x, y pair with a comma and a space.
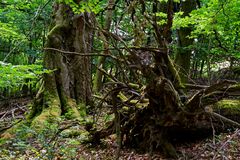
45, 144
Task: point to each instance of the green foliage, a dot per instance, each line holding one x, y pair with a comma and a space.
15, 77
163, 18
168, 0
23, 26
35, 144
8, 31
94, 6
217, 21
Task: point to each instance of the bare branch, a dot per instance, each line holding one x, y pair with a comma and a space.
80, 54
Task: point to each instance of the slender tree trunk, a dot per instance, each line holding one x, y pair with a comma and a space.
201, 69
183, 56
98, 81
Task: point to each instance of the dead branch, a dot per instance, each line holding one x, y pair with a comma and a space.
195, 86
232, 136
12, 112
221, 85
211, 95
81, 54
4, 115
6, 128
222, 118
9, 119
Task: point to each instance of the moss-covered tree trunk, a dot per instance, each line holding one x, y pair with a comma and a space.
70, 83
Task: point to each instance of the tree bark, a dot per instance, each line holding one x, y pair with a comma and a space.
70, 83
183, 56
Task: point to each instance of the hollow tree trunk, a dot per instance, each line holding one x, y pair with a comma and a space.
70, 83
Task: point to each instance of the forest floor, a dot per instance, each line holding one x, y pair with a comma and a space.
225, 147
50, 145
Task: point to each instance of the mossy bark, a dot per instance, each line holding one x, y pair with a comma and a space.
70, 82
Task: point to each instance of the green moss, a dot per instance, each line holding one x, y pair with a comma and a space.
3, 141
35, 110
228, 107
11, 132
82, 134
51, 111
71, 109
234, 104
122, 97
177, 79
8, 134
82, 110
235, 87
56, 31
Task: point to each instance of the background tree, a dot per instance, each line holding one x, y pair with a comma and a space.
184, 51
215, 29
24, 34
98, 80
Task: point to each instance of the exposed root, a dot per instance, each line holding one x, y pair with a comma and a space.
46, 109
49, 111
8, 132
71, 110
